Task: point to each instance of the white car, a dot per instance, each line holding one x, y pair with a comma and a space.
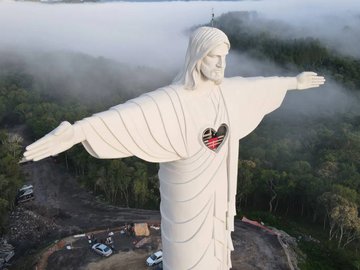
154, 258
102, 249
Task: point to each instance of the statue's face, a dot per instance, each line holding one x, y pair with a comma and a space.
213, 65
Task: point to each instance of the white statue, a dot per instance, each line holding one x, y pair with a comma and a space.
192, 128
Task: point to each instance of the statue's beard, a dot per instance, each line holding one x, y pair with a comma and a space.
215, 75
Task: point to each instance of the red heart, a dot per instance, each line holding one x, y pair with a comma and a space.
215, 139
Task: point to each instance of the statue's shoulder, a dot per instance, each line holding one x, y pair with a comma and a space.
228, 84
175, 87
169, 92
235, 79
169, 89
240, 82
164, 94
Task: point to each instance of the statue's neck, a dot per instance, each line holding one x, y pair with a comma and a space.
206, 86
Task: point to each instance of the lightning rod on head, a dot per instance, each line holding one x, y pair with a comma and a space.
212, 17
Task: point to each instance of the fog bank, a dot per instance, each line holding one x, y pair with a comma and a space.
155, 33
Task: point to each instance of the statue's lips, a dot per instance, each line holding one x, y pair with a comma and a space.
217, 72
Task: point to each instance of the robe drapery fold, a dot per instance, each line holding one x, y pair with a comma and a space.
151, 127
197, 184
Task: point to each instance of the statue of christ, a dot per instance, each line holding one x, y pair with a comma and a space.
192, 128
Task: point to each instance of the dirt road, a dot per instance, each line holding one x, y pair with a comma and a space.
58, 191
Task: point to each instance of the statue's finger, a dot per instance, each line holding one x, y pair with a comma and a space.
38, 143
318, 81
35, 155
41, 157
40, 148
318, 78
23, 160
315, 85
56, 150
310, 73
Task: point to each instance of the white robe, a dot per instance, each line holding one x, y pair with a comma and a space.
197, 184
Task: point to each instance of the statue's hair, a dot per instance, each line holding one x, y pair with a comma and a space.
202, 41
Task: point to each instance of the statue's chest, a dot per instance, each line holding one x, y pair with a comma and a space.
206, 123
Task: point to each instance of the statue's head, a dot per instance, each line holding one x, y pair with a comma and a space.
205, 57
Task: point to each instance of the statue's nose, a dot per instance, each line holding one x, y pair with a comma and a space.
221, 62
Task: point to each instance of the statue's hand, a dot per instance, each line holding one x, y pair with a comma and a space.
55, 142
307, 80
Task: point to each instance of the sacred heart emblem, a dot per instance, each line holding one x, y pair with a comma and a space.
215, 139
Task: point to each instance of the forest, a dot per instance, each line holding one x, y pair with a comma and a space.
297, 171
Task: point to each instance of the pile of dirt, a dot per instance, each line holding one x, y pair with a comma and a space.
25, 222
29, 229
256, 248
290, 245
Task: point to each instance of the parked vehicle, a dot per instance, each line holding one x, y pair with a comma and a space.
102, 249
6, 253
155, 258
25, 193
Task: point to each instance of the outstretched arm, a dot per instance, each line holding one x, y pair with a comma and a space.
59, 140
248, 100
151, 127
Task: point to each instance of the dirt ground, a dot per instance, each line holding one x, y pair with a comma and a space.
62, 208
125, 255
132, 260
254, 249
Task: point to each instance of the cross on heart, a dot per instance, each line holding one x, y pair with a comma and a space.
215, 139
